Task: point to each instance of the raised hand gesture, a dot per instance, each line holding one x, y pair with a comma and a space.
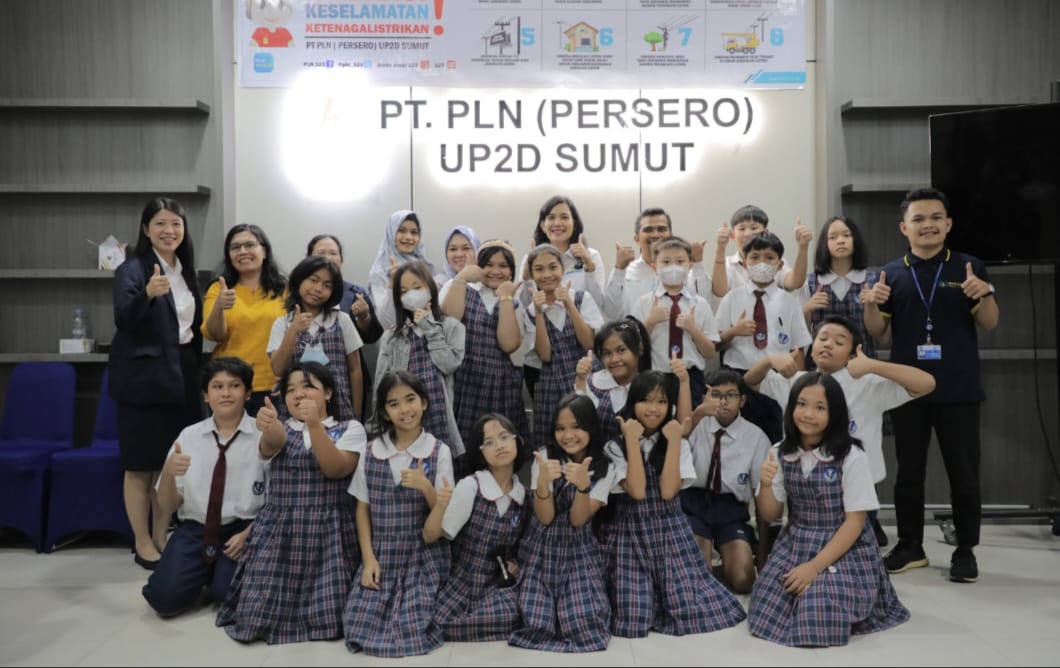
578, 474
415, 478
623, 255
879, 293
301, 321
177, 463
743, 326
267, 416
547, 469
158, 284
226, 296
769, 468
444, 494
584, 368
632, 430
818, 301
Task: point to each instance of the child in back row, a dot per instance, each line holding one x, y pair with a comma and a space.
870, 387
293, 580
562, 597
427, 344
485, 519
727, 453
733, 271
680, 322
655, 578
390, 610
622, 348
825, 578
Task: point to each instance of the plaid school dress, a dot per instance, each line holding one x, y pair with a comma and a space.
852, 597
562, 596
487, 381
436, 419
605, 410
656, 577
557, 377
293, 579
850, 307
396, 620
470, 607
334, 345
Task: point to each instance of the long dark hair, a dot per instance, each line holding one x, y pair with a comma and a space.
632, 333
822, 259
422, 272
644, 384
306, 268
273, 283
539, 235
185, 251
381, 423
837, 440
474, 460
585, 416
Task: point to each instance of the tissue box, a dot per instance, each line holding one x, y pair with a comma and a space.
74, 346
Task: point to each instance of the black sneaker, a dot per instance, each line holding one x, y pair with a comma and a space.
904, 556
881, 537
963, 567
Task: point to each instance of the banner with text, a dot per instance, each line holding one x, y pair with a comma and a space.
527, 43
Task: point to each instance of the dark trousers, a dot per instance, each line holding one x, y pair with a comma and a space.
957, 429
177, 581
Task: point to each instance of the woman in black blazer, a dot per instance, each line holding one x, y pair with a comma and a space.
154, 361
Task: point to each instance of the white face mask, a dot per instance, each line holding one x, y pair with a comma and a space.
673, 274
414, 300
762, 272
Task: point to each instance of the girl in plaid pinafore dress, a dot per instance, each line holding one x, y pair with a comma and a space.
314, 290
621, 353
825, 579
294, 578
484, 520
487, 380
390, 608
656, 578
562, 597
429, 345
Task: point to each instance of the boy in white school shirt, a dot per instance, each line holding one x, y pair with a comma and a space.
731, 271
193, 558
871, 386
679, 322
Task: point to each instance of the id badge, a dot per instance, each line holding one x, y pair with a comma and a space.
929, 351
315, 353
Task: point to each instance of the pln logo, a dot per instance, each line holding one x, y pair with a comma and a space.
264, 63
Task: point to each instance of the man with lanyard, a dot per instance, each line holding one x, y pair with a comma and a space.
928, 304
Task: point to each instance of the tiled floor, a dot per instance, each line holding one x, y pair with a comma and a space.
81, 605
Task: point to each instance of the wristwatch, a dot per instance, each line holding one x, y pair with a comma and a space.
992, 290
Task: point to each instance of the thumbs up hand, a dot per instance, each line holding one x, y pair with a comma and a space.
674, 430
724, 234
687, 320
444, 494
580, 251
623, 255
818, 301
393, 268
973, 286
769, 468
803, 234
226, 296
657, 314
415, 478
585, 366
547, 469
267, 416
158, 284
697, 250
878, 293
177, 463
678, 368
578, 474
632, 430
743, 326
302, 320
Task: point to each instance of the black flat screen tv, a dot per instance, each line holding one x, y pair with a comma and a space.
1000, 169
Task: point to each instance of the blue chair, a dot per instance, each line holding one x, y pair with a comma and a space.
87, 484
38, 420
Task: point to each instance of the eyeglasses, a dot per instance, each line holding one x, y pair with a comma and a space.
728, 397
246, 245
503, 439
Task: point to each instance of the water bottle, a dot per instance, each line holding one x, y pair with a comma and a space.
78, 331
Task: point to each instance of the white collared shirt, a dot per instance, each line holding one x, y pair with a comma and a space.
601, 488
617, 453
660, 335
245, 472
839, 285
556, 312
743, 449
483, 484
626, 286
784, 319
579, 279
354, 439
183, 300
736, 272
325, 319
859, 494
603, 380
867, 399
383, 448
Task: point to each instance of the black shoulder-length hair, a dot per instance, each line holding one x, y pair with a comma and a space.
381, 422
837, 440
474, 459
585, 415
539, 235
185, 251
822, 259
422, 272
632, 333
306, 268
273, 283
644, 384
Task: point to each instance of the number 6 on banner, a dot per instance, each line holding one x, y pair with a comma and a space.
607, 36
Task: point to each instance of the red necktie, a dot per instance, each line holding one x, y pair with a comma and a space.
677, 337
211, 541
714, 473
761, 332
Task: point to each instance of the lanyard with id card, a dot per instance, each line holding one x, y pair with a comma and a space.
927, 350
314, 349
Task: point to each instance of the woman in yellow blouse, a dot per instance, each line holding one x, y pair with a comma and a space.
242, 304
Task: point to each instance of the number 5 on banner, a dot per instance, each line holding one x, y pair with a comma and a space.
527, 36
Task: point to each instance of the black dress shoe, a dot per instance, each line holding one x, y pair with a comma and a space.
149, 565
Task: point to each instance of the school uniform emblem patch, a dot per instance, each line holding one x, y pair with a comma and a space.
258, 488
830, 474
